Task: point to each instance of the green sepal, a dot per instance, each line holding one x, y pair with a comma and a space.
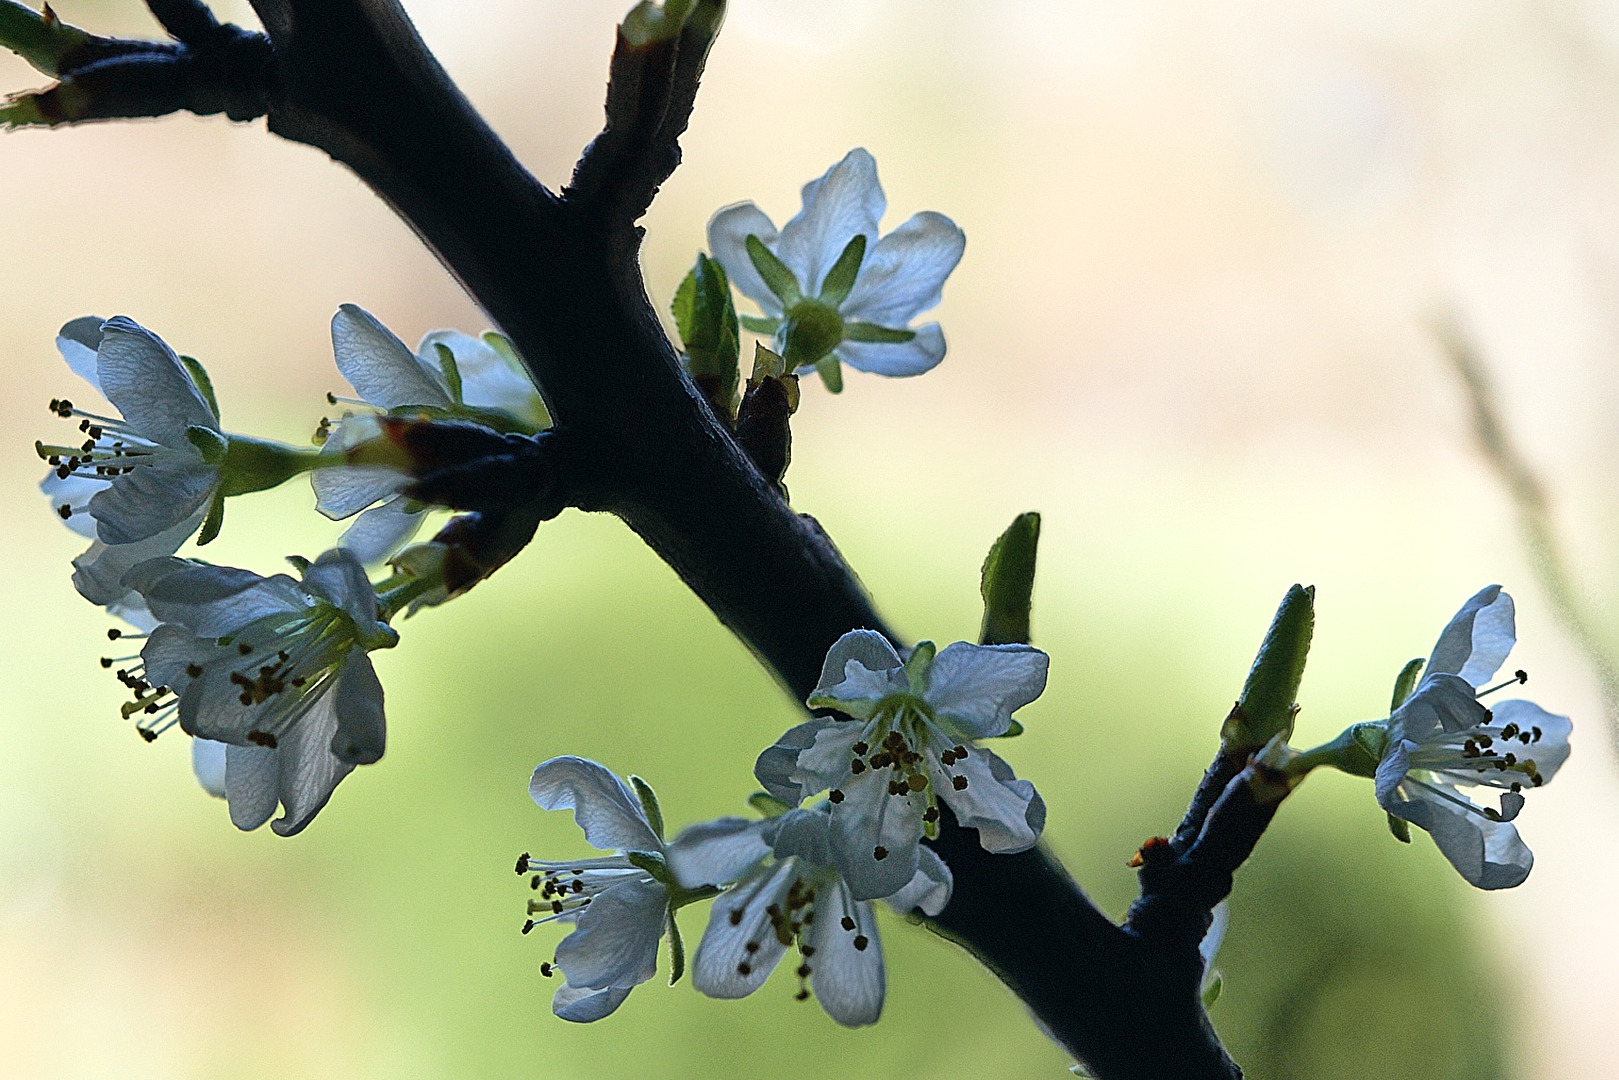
1013, 730
214, 521
706, 317
213, 446
1267, 705
767, 804
205, 385
38, 37
452, 370
831, 373
1401, 829
647, 22
917, 664
653, 863
677, 950
778, 279
759, 324
251, 464
1406, 682
1212, 987
1007, 582
882, 335
649, 804
840, 279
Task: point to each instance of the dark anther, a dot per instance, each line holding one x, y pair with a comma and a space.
65, 511
802, 995
879, 853
148, 734
959, 783
528, 924
744, 968
860, 942
262, 738
1521, 675
243, 647
834, 796
847, 923
106, 661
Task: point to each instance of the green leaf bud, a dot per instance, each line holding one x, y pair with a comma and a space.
1007, 583
1268, 702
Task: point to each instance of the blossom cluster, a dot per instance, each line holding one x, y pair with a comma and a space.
272, 676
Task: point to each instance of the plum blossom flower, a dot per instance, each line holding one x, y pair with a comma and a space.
140, 484
831, 290
274, 668
793, 898
620, 904
451, 375
904, 737
1443, 739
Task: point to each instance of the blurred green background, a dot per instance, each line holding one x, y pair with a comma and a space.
1204, 241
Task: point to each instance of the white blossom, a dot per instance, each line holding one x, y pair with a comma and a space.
820, 295
904, 737
620, 904
139, 485
793, 897
451, 375
275, 668
1443, 739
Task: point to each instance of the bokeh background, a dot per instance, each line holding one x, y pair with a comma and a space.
1193, 328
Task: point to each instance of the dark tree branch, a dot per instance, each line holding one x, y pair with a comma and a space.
560, 277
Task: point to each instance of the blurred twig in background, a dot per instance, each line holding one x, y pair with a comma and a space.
1569, 602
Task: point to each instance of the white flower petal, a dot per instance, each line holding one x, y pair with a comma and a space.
382, 530
1488, 854
344, 490
1006, 811
847, 200
362, 731
849, 982
976, 688
728, 231
717, 852
1215, 934
722, 966
603, 806
929, 890
213, 601
777, 766
1478, 639
143, 378
1443, 702
338, 577
208, 765
74, 490
616, 943
870, 818
308, 771
904, 274
867, 648
487, 380
78, 341
1391, 772
99, 572
896, 359
805, 835
169, 651
378, 365
583, 1006
251, 784
826, 762
153, 498
1551, 749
